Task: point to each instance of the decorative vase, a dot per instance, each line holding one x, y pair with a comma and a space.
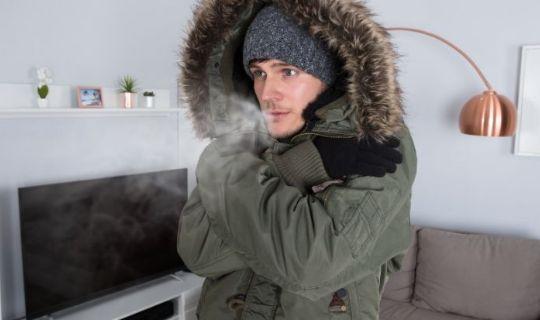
43, 102
149, 101
129, 100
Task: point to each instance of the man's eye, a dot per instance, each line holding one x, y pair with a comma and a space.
290, 72
257, 73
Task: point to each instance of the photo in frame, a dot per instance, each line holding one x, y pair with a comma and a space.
90, 97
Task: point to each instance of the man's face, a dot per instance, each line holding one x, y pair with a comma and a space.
283, 91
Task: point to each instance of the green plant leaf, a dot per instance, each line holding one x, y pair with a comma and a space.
127, 84
43, 91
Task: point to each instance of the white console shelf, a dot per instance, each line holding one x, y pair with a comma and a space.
80, 112
20, 101
182, 288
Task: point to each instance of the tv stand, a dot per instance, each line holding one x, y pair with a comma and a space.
182, 288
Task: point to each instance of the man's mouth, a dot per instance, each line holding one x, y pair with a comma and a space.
276, 115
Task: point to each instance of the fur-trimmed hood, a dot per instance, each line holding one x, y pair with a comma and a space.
211, 67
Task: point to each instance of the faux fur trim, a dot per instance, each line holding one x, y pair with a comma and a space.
346, 26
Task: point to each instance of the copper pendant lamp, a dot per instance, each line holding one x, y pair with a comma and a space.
487, 114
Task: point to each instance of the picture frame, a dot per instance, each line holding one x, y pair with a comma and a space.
89, 97
527, 139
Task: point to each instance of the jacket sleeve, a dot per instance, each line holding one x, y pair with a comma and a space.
200, 249
306, 246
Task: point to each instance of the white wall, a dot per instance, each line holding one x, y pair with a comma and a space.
92, 42
85, 43
465, 182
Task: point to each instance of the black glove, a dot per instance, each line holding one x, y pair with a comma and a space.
343, 157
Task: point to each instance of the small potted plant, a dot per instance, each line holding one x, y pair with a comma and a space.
44, 79
149, 98
129, 91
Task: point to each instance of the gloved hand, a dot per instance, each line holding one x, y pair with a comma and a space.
343, 157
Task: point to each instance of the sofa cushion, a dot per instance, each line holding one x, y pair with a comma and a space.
482, 276
393, 310
401, 283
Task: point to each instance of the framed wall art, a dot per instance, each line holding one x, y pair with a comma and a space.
90, 97
527, 140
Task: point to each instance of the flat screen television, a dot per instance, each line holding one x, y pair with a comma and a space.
85, 239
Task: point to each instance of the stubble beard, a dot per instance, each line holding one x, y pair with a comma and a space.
287, 133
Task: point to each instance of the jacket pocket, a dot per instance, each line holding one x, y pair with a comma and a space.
220, 293
262, 299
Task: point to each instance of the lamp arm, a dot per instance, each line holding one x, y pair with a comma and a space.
453, 46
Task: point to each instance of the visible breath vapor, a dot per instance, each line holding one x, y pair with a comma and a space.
245, 121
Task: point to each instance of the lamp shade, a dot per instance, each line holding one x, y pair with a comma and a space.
488, 114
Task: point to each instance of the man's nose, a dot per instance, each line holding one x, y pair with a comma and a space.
271, 91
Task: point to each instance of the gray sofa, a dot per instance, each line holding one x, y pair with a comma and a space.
449, 275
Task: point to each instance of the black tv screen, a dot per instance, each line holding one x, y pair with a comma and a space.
85, 239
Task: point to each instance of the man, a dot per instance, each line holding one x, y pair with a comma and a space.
307, 218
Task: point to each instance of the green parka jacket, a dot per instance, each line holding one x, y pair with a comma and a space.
273, 235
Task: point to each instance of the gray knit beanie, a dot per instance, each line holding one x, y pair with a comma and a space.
273, 35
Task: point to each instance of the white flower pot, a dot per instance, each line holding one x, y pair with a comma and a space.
43, 103
149, 101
